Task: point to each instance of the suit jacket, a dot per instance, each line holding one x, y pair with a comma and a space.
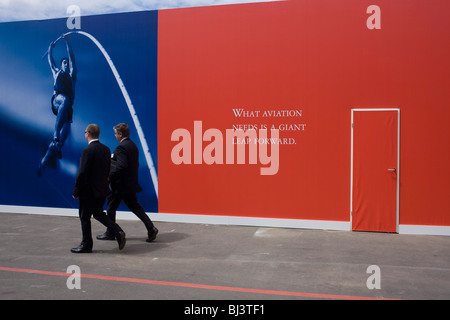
92, 176
124, 170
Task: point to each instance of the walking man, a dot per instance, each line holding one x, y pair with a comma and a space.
125, 183
91, 189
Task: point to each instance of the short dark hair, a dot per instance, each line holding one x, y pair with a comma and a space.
123, 129
94, 130
62, 59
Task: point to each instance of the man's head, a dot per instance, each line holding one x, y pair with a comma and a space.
92, 132
121, 131
64, 64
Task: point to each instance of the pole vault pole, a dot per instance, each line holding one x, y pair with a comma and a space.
137, 124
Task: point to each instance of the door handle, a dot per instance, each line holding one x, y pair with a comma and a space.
393, 170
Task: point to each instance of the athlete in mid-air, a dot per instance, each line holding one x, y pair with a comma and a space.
65, 77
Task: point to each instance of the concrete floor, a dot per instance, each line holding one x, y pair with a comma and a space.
216, 262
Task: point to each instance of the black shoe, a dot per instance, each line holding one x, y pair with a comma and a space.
152, 234
121, 239
82, 248
105, 236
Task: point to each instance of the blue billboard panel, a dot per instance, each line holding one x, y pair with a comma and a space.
54, 82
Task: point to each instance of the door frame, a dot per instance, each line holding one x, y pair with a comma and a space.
397, 168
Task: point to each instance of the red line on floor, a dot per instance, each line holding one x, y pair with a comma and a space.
193, 285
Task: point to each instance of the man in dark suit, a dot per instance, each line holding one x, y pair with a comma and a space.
91, 189
124, 182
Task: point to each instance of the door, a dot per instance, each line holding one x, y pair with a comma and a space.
375, 169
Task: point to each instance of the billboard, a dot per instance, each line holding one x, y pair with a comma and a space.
305, 68
113, 62
329, 114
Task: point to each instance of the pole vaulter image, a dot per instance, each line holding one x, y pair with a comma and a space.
65, 76
64, 80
